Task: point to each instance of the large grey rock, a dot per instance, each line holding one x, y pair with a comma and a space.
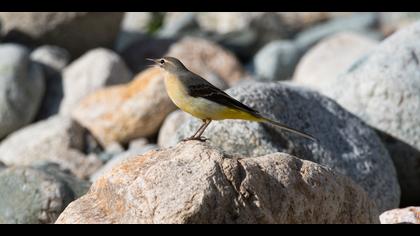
52, 59
277, 60
360, 22
331, 57
383, 89
31, 196
74, 31
167, 132
408, 215
77, 186
22, 87
57, 139
345, 143
95, 69
193, 183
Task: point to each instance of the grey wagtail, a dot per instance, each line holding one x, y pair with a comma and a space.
195, 95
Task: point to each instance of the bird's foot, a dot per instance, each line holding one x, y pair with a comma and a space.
201, 139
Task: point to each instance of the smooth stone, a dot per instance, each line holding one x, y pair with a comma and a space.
194, 183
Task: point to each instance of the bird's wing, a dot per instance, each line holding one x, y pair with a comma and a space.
212, 93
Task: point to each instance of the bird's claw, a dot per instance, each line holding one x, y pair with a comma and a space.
201, 139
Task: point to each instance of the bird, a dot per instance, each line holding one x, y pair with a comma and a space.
198, 97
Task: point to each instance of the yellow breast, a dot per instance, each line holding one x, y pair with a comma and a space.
176, 91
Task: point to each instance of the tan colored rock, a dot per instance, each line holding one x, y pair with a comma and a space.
406, 215
204, 57
125, 112
331, 57
193, 183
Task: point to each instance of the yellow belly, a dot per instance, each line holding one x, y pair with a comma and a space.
200, 107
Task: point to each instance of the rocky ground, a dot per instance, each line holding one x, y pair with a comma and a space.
89, 135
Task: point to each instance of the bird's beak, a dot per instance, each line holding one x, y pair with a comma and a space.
153, 60
155, 63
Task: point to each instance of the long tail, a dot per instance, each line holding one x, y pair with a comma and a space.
286, 128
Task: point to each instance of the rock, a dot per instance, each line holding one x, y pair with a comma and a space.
408, 215
78, 187
57, 139
360, 22
168, 130
331, 57
193, 183
203, 57
126, 112
244, 33
178, 23
2, 166
145, 47
226, 22
382, 88
52, 59
244, 43
138, 143
88, 29
31, 196
96, 69
131, 153
133, 27
345, 144
390, 22
22, 87
276, 60
269, 25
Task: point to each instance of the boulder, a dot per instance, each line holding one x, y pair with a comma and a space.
383, 89
276, 60
167, 133
331, 57
29, 195
52, 60
75, 31
57, 139
96, 69
193, 183
361, 22
22, 86
126, 112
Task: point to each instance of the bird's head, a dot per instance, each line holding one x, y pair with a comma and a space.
169, 64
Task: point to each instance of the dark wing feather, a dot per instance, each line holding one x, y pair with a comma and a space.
212, 93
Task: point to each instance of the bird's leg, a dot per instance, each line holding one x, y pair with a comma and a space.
199, 132
198, 137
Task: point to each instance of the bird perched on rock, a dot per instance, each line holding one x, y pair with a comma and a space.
196, 96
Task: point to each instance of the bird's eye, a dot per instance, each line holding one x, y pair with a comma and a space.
161, 61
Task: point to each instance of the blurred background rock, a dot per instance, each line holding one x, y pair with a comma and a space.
77, 98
